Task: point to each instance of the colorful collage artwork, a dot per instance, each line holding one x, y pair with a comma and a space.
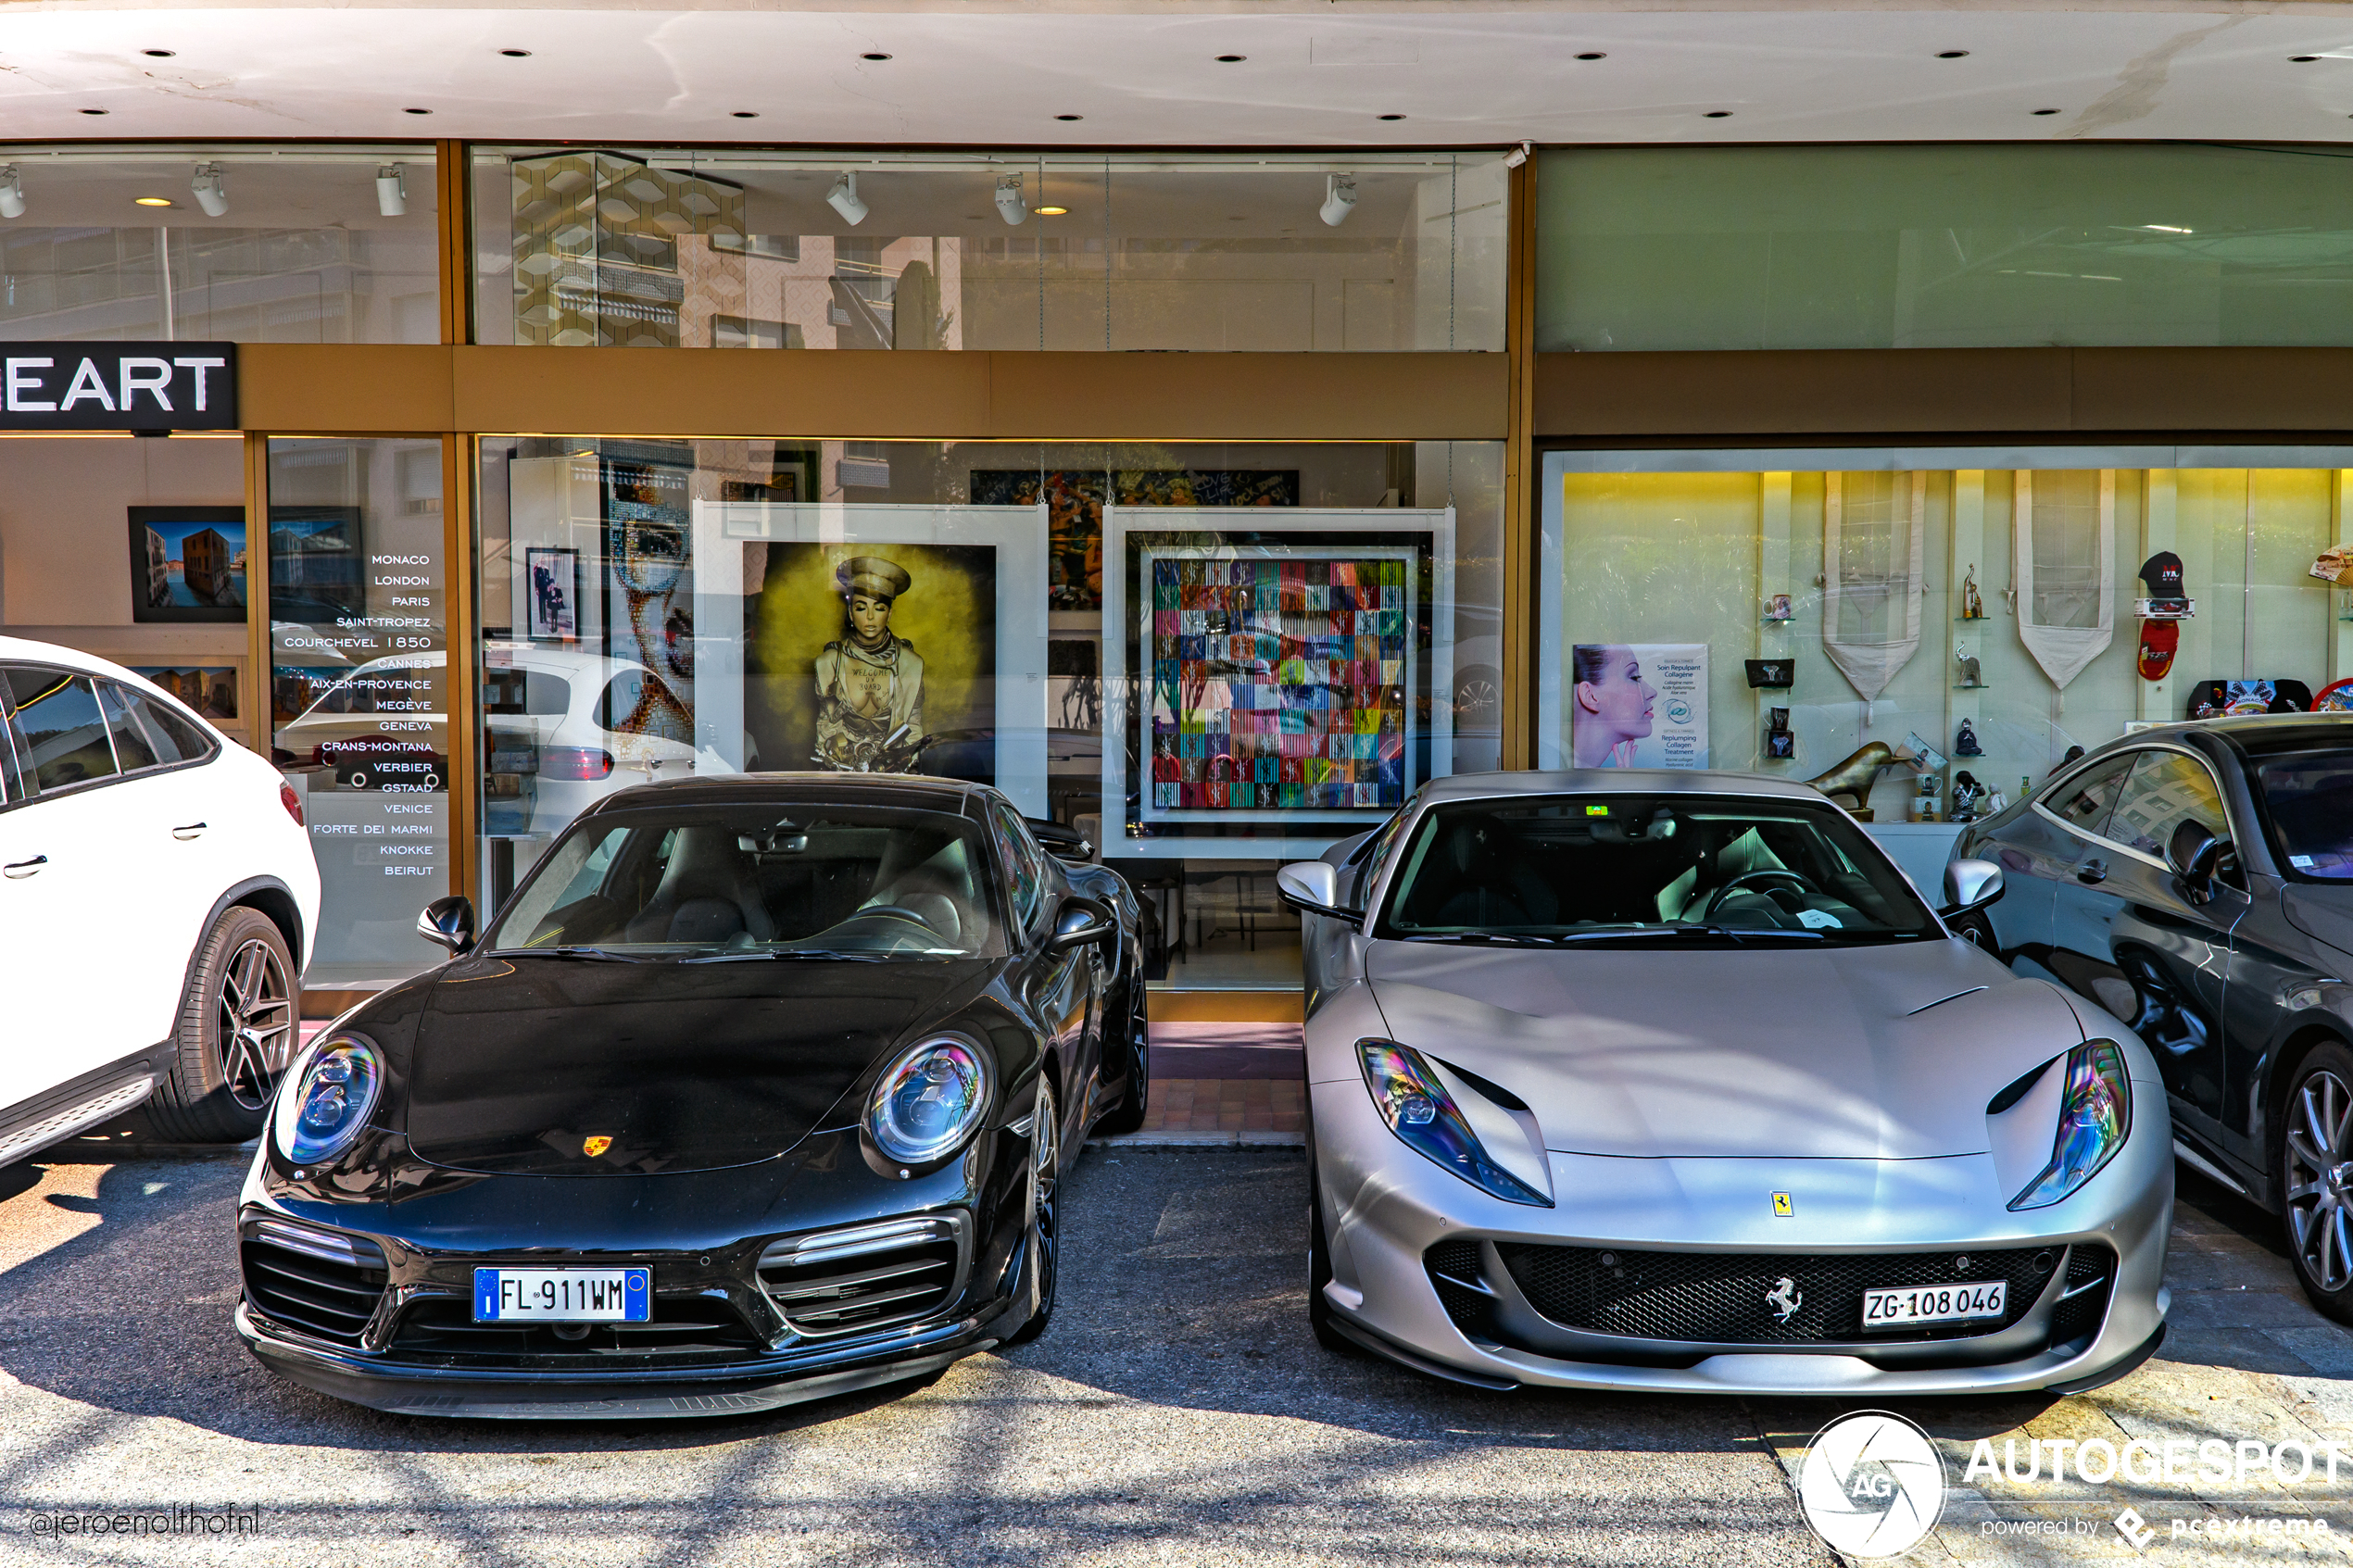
1281, 683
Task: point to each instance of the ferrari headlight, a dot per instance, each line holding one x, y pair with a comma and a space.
1424, 1117
325, 1102
2095, 1117
929, 1101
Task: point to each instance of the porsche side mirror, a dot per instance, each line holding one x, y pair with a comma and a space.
1312, 887
1970, 884
449, 922
2194, 856
1079, 923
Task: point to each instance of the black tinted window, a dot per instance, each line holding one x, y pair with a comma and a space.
57, 716
132, 747
2085, 801
183, 738
2311, 802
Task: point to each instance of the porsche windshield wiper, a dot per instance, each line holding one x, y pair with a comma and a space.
765, 953
603, 954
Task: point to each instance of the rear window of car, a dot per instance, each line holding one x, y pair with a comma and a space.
59, 720
2310, 801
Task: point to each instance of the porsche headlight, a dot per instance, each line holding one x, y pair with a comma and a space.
326, 1102
1426, 1119
930, 1100
2095, 1117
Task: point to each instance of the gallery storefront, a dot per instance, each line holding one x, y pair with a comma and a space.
1206, 504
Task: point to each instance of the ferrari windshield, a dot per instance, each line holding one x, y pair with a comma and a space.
2311, 800
1601, 868
774, 881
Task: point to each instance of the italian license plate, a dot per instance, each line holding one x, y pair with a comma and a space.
1934, 1303
563, 1295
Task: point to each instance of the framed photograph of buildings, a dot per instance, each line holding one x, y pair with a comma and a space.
187, 564
1274, 681
882, 638
551, 588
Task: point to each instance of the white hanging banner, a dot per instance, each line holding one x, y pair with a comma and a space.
2063, 558
1874, 543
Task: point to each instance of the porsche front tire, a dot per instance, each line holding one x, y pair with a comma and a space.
1044, 1241
1130, 1114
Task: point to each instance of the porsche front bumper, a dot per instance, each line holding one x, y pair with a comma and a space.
1391, 1214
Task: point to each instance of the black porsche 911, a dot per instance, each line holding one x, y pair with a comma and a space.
758, 1090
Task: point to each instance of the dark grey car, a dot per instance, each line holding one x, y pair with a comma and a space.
2196, 880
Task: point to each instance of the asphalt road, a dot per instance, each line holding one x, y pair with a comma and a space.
1176, 1411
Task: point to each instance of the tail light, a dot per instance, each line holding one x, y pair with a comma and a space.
290, 801
574, 762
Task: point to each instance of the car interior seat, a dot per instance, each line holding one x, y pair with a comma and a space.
708, 893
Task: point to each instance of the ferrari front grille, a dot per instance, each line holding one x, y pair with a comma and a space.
321, 1283
866, 1277
2083, 1305
1763, 1298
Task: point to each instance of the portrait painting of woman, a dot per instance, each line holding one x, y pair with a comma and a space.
870, 681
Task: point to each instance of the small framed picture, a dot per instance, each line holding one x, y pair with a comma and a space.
551, 584
187, 563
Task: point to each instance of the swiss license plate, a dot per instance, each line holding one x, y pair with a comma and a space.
1934, 1303
563, 1295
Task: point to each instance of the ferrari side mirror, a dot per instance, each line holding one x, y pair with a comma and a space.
1312, 887
449, 922
2194, 856
1970, 884
1079, 923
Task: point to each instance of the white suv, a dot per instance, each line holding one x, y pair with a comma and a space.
157, 898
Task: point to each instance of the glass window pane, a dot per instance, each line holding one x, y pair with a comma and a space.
2087, 798
280, 244
177, 738
2166, 790
133, 750
1948, 244
732, 248
358, 720
64, 733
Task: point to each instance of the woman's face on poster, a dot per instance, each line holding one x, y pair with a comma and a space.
1619, 700
868, 616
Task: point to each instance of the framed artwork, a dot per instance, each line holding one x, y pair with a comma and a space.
1074, 501
1273, 670
210, 689
552, 594
317, 566
1641, 705
875, 638
187, 564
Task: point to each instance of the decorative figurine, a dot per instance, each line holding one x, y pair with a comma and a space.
1966, 795
1969, 672
1964, 743
1972, 602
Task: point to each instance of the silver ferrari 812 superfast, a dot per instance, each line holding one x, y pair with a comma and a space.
1672, 1080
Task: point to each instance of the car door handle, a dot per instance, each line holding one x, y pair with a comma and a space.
2092, 871
23, 868
191, 830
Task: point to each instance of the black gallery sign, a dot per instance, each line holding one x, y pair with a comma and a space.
118, 387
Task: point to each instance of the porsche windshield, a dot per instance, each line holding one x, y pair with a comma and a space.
751, 882
1563, 870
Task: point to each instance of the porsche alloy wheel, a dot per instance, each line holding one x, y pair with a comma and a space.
2317, 1159
236, 1033
1044, 1242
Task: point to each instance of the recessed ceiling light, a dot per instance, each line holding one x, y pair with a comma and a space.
1392, 117
1592, 55
2302, 59
1231, 59
1051, 211
1720, 114
152, 201
747, 114
516, 54
2046, 111
873, 55
94, 111
416, 111
159, 54
1070, 116
1952, 54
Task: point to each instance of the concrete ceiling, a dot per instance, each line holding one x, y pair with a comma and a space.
1145, 74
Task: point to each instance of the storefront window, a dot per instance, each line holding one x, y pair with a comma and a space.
358, 682
1943, 246
1776, 612
231, 243
1204, 659
745, 249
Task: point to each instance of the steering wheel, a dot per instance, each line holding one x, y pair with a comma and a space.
1775, 873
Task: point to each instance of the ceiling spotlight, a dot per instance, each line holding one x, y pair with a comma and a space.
391, 190
1518, 155
1592, 55
159, 54
1054, 212
2046, 111
843, 198
151, 201
873, 55
1952, 54
94, 111
2302, 59
1070, 116
11, 193
1340, 199
747, 114
516, 54
1720, 114
1392, 117
416, 111
1009, 205
210, 190
1231, 59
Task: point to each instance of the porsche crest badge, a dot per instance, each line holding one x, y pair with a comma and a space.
593, 1147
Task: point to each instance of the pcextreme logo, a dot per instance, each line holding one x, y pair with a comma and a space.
1871, 1484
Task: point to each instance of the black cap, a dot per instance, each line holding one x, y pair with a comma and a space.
2162, 573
